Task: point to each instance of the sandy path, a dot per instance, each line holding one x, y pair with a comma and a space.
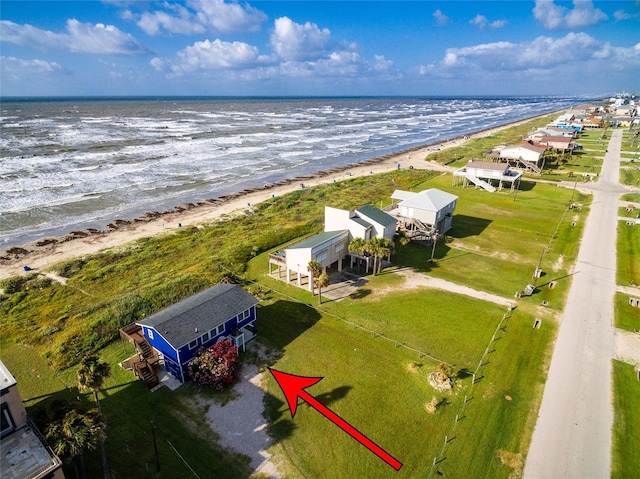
41, 257
415, 280
627, 347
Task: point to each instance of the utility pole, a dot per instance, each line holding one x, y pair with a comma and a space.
573, 192
538, 271
155, 447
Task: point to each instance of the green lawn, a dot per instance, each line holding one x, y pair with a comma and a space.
627, 317
382, 389
628, 255
128, 409
626, 423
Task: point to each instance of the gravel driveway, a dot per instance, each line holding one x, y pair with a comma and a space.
240, 423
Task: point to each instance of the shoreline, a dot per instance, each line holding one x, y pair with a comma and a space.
42, 254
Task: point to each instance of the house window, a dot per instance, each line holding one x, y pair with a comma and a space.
193, 344
321, 257
7, 421
220, 329
150, 333
339, 247
204, 338
244, 315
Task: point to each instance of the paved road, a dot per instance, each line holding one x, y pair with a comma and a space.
572, 438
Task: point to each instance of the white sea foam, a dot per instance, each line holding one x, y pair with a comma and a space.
65, 163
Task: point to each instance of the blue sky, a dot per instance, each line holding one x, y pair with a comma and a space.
289, 48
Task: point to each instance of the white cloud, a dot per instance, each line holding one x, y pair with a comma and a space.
293, 41
199, 16
78, 38
298, 51
441, 18
621, 15
553, 16
210, 55
178, 20
541, 54
12, 66
482, 22
228, 17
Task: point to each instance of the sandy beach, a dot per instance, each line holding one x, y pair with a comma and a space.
42, 254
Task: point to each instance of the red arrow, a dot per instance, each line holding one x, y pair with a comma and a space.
294, 386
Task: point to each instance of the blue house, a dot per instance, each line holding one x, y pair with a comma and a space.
179, 331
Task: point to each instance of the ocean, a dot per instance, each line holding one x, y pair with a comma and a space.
78, 163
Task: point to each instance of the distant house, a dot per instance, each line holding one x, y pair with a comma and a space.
179, 331
332, 246
551, 131
526, 152
560, 143
433, 208
487, 175
624, 110
25, 453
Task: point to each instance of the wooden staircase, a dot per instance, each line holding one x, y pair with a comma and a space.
144, 349
144, 372
530, 165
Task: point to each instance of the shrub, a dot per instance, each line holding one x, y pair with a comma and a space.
217, 366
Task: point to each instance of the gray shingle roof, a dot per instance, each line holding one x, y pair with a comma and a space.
204, 311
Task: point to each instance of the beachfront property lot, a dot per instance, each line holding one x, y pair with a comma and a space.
371, 379
358, 344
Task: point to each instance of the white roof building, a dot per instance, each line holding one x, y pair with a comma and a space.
432, 207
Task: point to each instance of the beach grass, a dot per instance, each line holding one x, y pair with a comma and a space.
115, 287
626, 428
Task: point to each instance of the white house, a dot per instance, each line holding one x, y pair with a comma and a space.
332, 246
432, 207
486, 174
524, 151
551, 131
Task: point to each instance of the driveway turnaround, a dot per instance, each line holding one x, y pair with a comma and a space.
572, 437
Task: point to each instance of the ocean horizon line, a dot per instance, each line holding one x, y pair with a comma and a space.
37, 98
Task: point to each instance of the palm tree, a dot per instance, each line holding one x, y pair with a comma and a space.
321, 282
91, 375
357, 246
73, 435
373, 247
384, 249
315, 270
402, 239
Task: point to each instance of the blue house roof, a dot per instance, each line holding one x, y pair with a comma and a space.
183, 322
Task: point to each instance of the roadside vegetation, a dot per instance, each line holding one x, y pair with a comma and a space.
626, 423
375, 348
628, 255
